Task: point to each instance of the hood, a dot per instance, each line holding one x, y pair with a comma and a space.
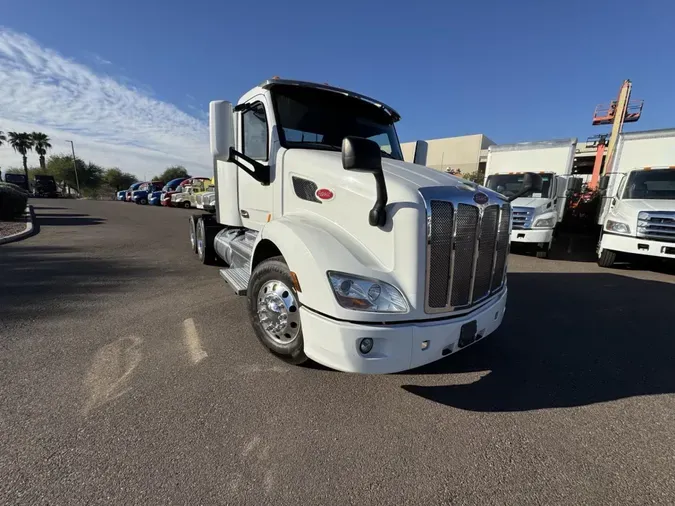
403, 179
634, 206
540, 205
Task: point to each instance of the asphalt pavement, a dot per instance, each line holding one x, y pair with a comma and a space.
129, 374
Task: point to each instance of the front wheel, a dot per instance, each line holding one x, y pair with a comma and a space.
193, 232
274, 310
186, 204
607, 258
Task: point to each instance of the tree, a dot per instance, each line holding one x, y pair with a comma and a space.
22, 144
118, 180
41, 145
2, 137
61, 167
173, 172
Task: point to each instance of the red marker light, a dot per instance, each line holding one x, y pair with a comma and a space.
324, 194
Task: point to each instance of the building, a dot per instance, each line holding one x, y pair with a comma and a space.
465, 153
468, 153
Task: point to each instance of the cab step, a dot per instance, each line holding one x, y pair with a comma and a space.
237, 278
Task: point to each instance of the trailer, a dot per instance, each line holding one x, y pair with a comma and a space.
535, 214
637, 212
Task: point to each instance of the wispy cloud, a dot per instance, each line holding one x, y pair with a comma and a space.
111, 122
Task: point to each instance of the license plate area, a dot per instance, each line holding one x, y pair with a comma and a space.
467, 334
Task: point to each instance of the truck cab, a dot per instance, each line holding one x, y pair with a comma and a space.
637, 211
186, 192
170, 189
347, 254
536, 214
45, 186
640, 217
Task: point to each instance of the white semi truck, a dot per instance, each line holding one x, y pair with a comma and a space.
537, 213
637, 212
348, 255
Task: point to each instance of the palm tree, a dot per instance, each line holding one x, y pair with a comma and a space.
22, 144
2, 137
41, 145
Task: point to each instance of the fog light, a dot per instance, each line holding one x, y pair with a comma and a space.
425, 345
366, 345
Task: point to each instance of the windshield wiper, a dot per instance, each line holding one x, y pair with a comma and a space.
319, 145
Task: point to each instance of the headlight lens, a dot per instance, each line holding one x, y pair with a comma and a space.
363, 294
545, 222
643, 216
618, 227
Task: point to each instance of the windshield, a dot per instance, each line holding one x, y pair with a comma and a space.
651, 185
319, 119
510, 184
15, 178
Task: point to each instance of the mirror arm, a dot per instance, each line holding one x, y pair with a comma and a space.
260, 172
377, 216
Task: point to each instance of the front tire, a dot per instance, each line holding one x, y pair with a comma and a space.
186, 204
144, 202
607, 258
274, 310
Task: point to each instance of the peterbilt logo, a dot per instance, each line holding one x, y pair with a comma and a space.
480, 198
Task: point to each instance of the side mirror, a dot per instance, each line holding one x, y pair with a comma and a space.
364, 155
531, 183
574, 184
603, 184
221, 129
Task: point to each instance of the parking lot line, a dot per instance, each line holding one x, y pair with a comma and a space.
192, 341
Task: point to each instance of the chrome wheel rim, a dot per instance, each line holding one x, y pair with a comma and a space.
200, 240
192, 235
278, 312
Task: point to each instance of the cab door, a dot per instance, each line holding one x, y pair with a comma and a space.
254, 133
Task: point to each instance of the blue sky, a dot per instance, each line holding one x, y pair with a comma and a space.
514, 70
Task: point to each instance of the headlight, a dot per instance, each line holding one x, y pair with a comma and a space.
617, 226
363, 294
545, 222
643, 216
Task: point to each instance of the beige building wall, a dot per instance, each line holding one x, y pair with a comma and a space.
463, 153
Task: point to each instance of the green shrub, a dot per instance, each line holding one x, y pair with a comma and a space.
12, 201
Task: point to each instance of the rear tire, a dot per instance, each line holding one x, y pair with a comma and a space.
193, 232
607, 258
274, 310
205, 236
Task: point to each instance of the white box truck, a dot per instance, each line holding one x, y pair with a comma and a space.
637, 212
347, 254
535, 214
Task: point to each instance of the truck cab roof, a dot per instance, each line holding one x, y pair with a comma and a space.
270, 84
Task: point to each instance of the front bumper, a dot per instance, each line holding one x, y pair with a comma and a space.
539, 235
636, 246
397, 347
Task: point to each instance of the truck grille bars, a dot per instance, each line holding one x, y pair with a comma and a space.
657, 225
467, 246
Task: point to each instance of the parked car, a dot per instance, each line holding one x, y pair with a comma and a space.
132, 188
45, 186
142, 195
17, 179
160, 198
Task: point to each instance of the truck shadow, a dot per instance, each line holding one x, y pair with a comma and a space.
567, 340
34, 274
66, 219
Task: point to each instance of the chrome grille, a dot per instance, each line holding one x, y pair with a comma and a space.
657, 225
486, 252
465, 244
522, 217
439, 251
467, 247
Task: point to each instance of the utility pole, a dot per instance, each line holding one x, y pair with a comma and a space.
77, 179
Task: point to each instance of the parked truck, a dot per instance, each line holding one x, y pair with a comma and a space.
45, 186
347, 254
537, 213
185, 193
637, 213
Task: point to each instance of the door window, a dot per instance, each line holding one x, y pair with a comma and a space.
255, 135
